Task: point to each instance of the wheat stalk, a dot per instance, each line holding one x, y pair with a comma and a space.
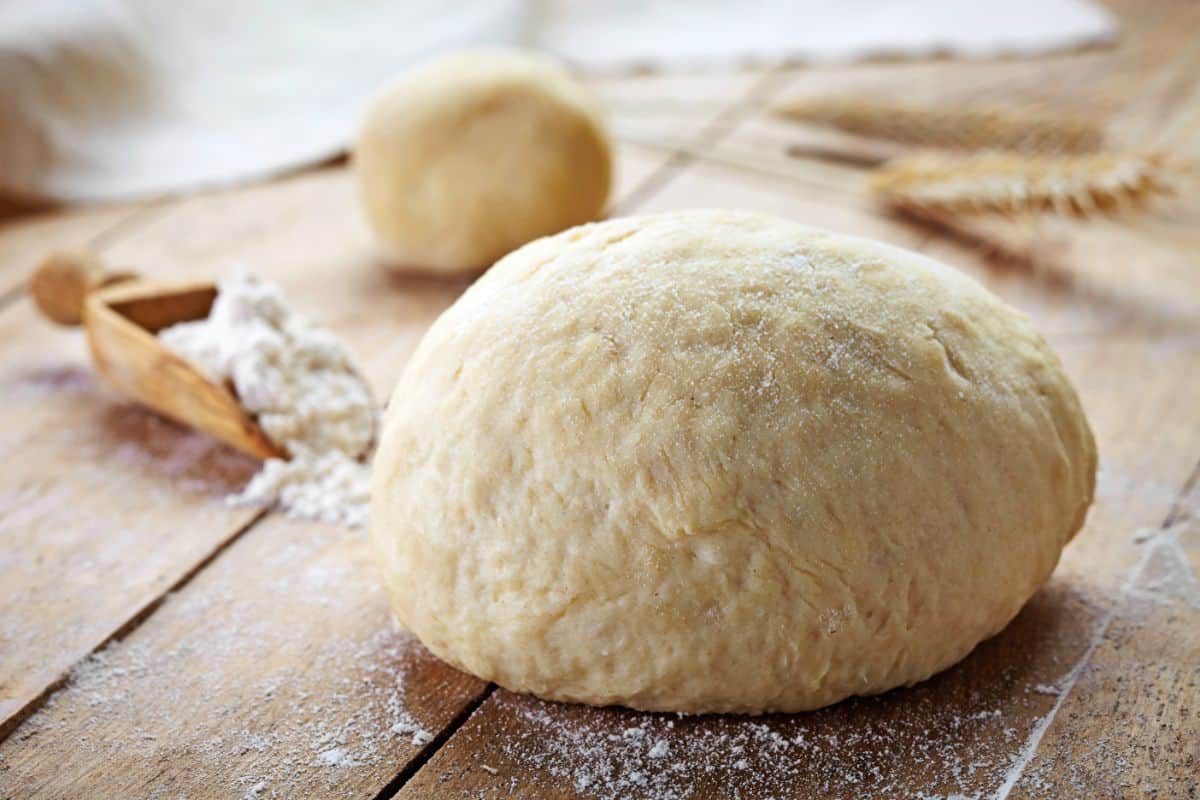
1022, 130
1006, 183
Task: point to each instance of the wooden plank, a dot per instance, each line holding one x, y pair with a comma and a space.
1148, 442
1137, 271
25, 239
681, 110
1128, 728
1126, 724
109, 507
1185, 519
276, 672
829, 197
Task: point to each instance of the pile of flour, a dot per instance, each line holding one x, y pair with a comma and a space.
298, 382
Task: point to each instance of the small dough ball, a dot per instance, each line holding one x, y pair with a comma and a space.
720, 462
472, 155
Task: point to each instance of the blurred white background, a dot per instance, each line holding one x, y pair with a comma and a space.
103, 99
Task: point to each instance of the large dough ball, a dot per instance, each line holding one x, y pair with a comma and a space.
473, 155
716, 461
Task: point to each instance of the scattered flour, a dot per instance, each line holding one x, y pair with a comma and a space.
407, 726
265, 692
336, 757
299, 383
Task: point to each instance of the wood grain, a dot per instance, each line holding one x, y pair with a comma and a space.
25, 240
106, 507
1129, 727
277, 672
694, 104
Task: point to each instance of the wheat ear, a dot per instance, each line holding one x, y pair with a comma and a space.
1022, 130
1006, 183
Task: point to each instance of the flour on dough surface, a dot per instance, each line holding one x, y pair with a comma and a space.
715, 461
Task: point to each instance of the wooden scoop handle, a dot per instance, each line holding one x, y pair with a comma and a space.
62, 282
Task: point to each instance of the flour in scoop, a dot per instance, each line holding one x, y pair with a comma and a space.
298, 382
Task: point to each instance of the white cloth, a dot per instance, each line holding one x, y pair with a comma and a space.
103, 99
719, 33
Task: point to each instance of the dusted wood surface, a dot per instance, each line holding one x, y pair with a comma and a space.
221, 652
26, 239
106, 507
277, 665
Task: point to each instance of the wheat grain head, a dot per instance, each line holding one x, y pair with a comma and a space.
1007, 183
1022, 130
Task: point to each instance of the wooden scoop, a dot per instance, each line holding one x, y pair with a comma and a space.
122, 314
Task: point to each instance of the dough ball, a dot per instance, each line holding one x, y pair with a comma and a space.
473, 155
716, 461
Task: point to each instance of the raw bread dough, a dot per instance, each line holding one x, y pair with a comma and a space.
718, 461
473, 155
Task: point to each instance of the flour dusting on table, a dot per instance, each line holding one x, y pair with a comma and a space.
299, 383
611, 754
294, 684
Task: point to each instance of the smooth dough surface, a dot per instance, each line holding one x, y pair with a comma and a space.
470, 156
718, 461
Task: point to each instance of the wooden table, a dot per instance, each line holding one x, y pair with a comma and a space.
156, 643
